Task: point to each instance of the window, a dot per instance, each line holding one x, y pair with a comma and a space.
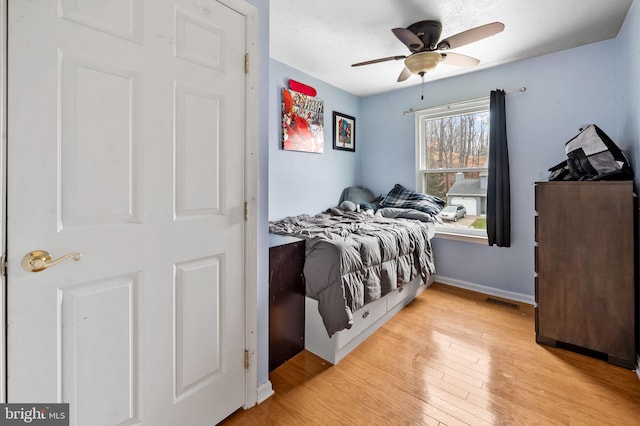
452, 145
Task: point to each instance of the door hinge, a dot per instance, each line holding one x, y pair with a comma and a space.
246, 211
3, 265
246, 63
246, 359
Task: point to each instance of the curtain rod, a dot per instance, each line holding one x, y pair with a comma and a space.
506, 92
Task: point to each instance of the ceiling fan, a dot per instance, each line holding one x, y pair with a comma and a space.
427, 52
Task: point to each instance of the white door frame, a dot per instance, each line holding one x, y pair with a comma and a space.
251, 197
251, 194
3, 198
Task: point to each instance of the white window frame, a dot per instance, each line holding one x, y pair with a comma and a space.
442, 111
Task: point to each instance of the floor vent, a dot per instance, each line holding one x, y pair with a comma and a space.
503, 303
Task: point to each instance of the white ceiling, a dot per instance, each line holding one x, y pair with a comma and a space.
323, 38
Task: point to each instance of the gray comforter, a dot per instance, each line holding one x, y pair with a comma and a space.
353, 258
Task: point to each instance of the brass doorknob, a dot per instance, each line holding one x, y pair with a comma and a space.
39, 260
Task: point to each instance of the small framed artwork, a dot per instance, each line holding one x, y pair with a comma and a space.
344, 132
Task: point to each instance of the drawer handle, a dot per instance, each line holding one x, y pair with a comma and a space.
365, 314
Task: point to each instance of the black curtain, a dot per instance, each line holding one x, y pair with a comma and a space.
498, 186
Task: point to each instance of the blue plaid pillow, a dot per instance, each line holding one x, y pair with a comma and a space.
401, 197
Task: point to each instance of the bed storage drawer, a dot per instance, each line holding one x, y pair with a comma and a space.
408, 291
362, 318
365, 322
334, 348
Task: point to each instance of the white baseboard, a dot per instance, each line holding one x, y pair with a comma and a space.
505, 294
265, 390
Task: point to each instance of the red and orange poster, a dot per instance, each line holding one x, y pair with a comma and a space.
302, 122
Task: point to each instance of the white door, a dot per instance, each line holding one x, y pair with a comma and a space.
126, 145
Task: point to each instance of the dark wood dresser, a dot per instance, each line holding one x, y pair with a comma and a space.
286, 301
585, 287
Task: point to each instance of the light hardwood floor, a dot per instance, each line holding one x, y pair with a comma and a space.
451, 358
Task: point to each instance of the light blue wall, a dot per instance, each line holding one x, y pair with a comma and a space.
628, 85
301, 182
564, 91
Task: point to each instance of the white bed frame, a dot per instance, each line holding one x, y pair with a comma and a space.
365, 321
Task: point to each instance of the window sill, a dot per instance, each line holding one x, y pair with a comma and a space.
456, 236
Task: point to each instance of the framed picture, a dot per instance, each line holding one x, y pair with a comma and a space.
302, 122
344, 132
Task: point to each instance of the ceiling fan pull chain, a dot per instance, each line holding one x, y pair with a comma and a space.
422, 87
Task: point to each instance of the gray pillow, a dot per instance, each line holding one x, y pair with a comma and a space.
357, 195
348, 206
397, 212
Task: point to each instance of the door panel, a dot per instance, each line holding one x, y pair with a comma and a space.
198, 165
99, 327
99, 150
197, 306
121, 18
126, 144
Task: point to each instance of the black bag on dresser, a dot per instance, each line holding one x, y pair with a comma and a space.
592, 155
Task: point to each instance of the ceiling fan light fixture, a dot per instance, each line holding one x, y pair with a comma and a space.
422, 62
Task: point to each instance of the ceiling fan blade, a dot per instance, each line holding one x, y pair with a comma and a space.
375, 61
405, 74
459, 59
408, 38
472, 35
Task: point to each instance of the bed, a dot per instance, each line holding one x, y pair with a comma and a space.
363, 250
